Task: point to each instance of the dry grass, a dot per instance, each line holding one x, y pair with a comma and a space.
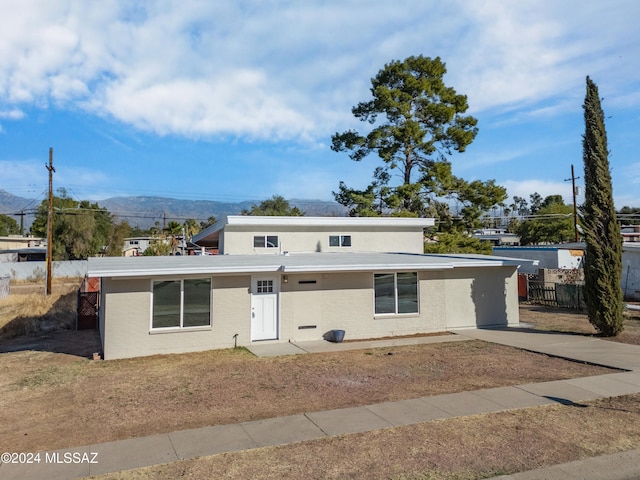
66, 401
465, 448
32, 312
570, 321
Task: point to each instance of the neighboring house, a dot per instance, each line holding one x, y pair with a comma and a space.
16, 248
135, 246
17, 242
496, 236
564, 256
336, 274
555, 260
631, 270
23, 255
630, 233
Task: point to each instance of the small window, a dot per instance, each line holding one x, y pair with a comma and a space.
265, 241
264, 286
181, 303
339, 240
396, 293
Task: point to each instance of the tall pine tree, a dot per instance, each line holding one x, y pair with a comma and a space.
603, 258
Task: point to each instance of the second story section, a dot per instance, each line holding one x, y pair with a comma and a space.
263, 235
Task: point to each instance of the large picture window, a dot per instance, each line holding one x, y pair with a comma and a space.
181, 303
396, 293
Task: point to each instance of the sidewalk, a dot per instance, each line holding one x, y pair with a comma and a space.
188, 444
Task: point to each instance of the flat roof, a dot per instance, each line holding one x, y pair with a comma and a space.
291, 263
338, 222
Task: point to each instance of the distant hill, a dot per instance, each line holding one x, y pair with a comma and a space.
11, 205
144, 211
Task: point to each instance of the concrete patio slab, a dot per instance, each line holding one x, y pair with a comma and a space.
205, 441
348, 420
281, 430
323, 346
274, 349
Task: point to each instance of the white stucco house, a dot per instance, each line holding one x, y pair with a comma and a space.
280, 279
631, 270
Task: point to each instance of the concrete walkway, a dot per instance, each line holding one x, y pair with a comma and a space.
187, 444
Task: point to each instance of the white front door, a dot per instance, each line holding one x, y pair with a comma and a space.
264, 308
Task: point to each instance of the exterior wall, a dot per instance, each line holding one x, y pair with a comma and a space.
345, 301
548, 257
13, 242
239, 240
631, 272
481, 297
127, 319
458, 298
569, 259
36, 270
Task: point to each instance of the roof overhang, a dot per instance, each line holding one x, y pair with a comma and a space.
135, 267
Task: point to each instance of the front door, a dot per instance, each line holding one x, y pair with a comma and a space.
264, 308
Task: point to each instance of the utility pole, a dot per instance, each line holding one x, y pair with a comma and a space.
50, 223
21, 215
575, 208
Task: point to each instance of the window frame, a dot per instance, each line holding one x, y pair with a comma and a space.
397, 304
265, 240
344, 241
181, 326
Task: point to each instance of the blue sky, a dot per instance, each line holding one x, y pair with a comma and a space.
238, 100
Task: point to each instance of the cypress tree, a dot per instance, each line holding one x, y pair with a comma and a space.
603, 256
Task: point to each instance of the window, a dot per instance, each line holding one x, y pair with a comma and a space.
181, 303
396, 293
339, 240
265, 241
264, 286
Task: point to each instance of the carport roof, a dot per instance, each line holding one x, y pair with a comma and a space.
291, 263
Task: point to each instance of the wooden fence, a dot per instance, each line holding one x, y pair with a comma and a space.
556, 294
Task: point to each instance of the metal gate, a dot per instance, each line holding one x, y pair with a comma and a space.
88, 304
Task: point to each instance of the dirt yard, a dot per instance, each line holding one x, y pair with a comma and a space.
52, 396
569, 321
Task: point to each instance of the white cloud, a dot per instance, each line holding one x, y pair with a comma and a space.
524, 188
291, 70
13, 114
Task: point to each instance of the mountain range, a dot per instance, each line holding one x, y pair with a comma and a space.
146, 211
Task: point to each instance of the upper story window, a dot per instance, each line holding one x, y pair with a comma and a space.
265, 241
339, 240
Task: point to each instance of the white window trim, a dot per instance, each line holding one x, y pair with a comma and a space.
266, 243
180, 328
340, 240
395, 289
